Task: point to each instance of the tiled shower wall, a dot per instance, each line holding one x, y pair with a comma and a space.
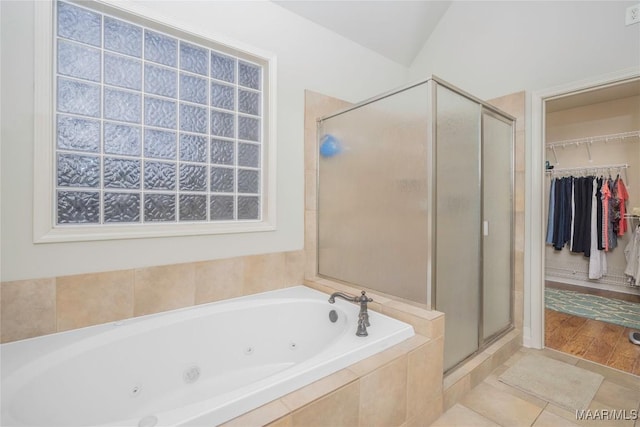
43, 306
316, 106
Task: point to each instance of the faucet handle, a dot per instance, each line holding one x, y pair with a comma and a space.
363, 297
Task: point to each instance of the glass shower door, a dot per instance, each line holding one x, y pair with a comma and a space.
497, 207
457, 224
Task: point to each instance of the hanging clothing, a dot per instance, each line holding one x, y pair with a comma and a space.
623, 196
562, 212
552, 203
580, 215
581, 231
632, 254
573, 214
568, 217
609, 219
598, 257
599, 212
606, 196
558, 215
615, 208
577, 215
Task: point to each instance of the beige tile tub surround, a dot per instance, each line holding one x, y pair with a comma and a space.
339, 408
164, 288
381, 390
91, 299
383, 395
428, 323
28, 309
218, 279
31, 308
263, 273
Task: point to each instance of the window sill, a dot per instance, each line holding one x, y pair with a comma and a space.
77, 233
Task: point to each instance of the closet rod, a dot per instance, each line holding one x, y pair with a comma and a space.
588, 168
599, 138
632, 218
594, 169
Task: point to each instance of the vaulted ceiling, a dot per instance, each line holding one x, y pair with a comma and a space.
396, 29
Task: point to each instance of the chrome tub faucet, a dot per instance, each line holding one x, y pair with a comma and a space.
363, 316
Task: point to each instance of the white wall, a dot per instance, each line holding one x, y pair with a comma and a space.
495, 48
309, 57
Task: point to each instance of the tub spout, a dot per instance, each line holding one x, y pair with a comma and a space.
347, 297
363, 316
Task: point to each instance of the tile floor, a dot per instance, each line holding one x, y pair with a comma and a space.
492, 403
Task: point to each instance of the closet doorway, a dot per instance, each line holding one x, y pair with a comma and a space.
592, 207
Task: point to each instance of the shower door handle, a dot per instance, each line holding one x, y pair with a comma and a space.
485, 228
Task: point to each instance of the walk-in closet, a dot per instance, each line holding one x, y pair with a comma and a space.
592, 241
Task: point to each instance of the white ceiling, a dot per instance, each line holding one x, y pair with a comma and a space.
397, 29
594, 96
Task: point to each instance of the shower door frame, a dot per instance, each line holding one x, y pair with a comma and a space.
483, 341
431, 82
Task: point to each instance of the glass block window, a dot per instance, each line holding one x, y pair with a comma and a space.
151, 127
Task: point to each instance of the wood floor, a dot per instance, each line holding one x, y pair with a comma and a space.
600, 342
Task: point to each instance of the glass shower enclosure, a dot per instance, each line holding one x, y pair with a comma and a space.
415, 200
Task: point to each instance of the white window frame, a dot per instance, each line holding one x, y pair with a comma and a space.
45, 229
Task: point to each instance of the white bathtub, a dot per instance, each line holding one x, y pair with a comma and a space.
200, 365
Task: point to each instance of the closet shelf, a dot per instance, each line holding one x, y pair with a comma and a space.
590, 140
601, 138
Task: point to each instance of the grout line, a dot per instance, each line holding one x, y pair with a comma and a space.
538, 416
473, 410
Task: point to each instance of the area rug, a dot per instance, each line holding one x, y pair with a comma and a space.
609, 310
556, 382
